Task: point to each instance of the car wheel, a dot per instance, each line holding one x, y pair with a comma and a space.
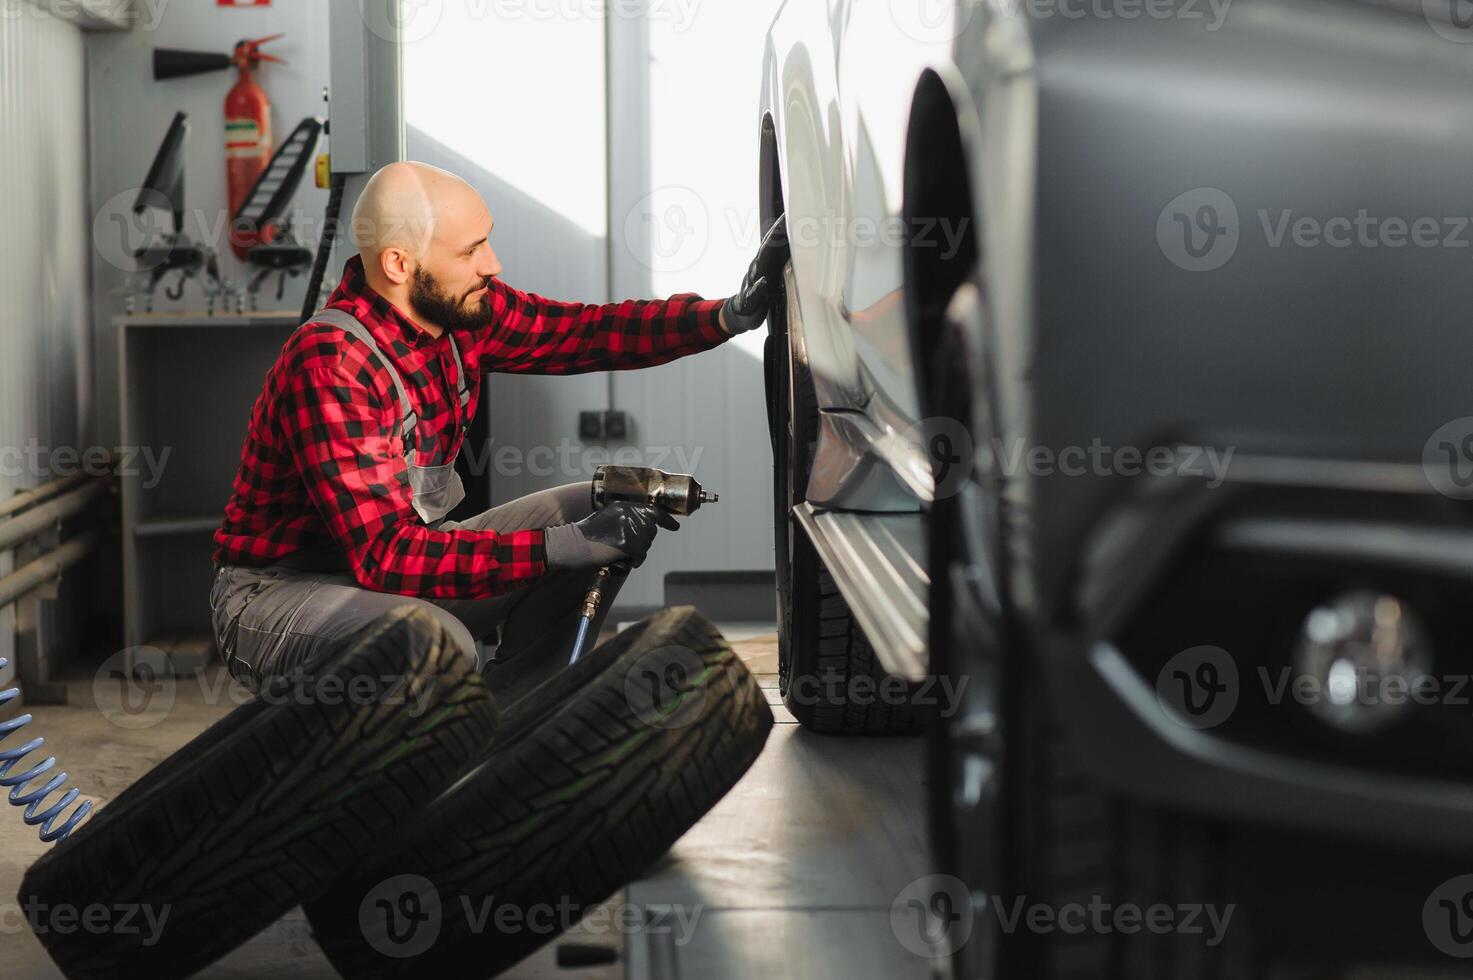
1015, 821
828, 673
966, 755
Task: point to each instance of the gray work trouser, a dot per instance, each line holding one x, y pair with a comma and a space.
271, 619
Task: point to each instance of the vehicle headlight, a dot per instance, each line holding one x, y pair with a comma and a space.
1365, 653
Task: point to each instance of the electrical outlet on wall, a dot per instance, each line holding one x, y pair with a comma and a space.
593, 426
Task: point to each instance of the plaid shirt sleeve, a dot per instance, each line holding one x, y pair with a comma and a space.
534, 335
348, 450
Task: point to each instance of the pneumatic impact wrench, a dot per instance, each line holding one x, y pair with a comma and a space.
674, 493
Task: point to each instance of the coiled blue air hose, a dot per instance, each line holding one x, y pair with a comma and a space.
53, 827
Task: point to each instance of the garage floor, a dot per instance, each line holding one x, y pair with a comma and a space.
793, 874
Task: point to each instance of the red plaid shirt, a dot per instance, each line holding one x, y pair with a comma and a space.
323, 471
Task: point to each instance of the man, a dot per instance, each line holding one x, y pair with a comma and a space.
347, 472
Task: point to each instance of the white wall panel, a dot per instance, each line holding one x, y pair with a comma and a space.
516, 104
46, 397
130, 113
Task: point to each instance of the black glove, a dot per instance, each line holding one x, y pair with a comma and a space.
620, 532
747, 310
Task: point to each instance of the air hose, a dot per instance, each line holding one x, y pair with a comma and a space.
324, 247
32, 800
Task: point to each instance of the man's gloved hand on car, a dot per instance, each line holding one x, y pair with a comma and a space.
747, 310
619, 532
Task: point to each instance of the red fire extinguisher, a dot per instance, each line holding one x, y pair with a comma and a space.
248, 141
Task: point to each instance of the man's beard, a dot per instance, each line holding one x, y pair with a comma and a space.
439, 307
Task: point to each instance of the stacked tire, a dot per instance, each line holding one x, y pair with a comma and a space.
594, 776
267, 808
390, 814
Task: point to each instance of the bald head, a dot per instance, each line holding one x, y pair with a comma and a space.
418, 222
402, 205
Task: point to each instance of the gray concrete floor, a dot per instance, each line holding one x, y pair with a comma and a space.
819, 836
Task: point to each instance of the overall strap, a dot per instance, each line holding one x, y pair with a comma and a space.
351, 324
464, 390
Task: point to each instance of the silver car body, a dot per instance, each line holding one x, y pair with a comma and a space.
839, 83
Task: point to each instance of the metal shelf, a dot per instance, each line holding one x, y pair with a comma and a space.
186, 384
152, 527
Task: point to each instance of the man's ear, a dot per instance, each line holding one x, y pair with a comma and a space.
397, 265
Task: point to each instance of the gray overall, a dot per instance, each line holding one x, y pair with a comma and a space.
437, 490
270, 619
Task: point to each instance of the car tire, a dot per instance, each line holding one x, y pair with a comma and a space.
268, 806
1013, 815
828, 674
595, 778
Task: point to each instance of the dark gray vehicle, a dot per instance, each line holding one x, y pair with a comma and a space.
1163, 463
